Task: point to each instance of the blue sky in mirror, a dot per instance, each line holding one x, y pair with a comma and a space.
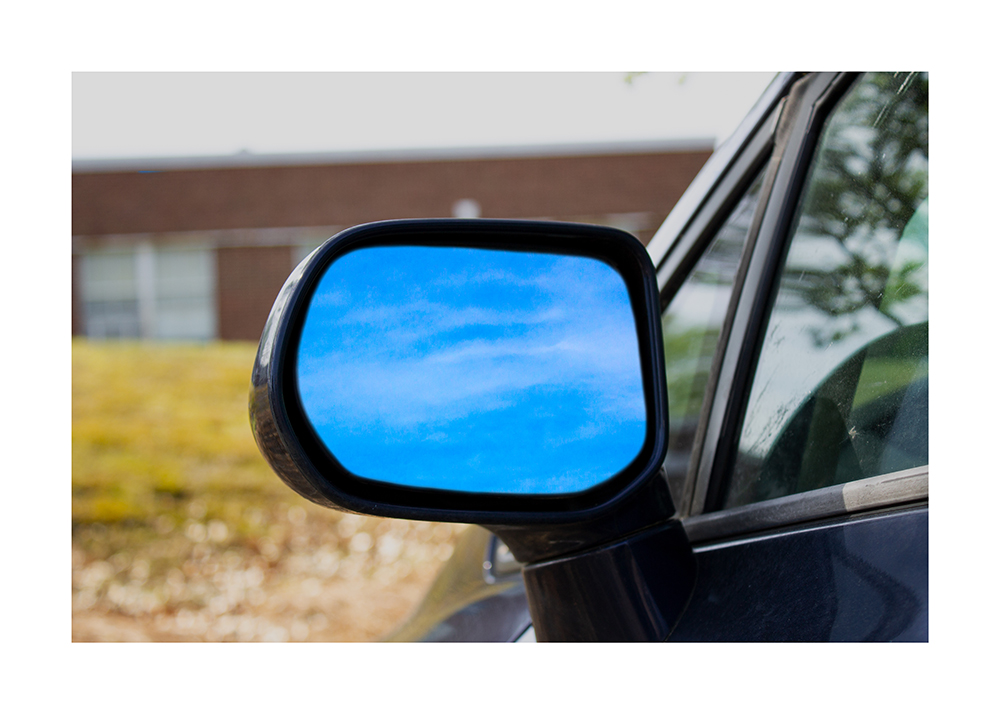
474, 370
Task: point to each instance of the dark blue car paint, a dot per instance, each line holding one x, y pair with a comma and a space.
861, 578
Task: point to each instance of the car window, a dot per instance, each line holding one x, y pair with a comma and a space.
840, 387
691, 327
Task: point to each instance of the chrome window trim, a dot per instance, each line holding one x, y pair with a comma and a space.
894, 489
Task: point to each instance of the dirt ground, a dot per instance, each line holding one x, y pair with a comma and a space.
313, 578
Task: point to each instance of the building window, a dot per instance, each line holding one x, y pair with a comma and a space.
152, 292
111, 306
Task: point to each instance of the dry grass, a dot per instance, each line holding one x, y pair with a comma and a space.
182, 532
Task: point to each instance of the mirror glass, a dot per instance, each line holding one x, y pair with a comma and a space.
481, 371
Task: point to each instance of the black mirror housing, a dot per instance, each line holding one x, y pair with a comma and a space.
303, 458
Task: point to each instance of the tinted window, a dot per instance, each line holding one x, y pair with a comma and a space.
691, 327
840, 390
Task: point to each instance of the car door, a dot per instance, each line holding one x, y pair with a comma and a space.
796, 353
793, 285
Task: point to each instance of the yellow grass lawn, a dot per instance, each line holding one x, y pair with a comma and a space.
182, 532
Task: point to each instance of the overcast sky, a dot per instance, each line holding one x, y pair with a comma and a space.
127, 115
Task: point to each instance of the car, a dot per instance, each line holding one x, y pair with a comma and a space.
721, 436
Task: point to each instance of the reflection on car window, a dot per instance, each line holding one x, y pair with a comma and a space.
691, 326
840, 389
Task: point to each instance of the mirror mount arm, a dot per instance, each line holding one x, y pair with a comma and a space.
626, 576
634, 590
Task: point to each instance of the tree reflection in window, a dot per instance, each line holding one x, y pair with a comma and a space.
840, 390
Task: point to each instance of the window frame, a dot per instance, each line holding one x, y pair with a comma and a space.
689, 246
789, 136
803, 115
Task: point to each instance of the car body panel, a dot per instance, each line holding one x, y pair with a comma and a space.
860, 579
865, 579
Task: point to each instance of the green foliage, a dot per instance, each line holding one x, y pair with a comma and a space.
867, 186
687, 373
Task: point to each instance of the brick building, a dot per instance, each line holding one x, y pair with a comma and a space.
197, 249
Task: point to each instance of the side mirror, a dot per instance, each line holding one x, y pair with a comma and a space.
505, 373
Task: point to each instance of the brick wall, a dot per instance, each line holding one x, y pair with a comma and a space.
348, 194
252, 208
248, 281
